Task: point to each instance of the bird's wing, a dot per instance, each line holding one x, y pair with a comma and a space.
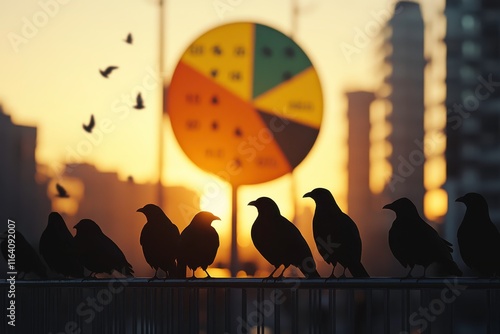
61, 190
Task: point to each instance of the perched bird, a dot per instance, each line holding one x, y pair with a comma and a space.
61, 192
57, 247
198, 243
91, 124
336, 234
108, 71
413, 241
478, 237
139, 103
129, 39
159, 240
97, 252
279, 241
26, 259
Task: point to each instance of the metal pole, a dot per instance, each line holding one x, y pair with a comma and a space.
162, 100
234, 231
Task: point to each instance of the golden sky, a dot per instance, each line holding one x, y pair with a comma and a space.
51, 50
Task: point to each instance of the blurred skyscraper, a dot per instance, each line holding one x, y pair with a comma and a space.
473, 104
365, 207
22, 198
404, 55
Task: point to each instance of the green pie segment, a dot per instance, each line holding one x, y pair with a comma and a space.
277, 58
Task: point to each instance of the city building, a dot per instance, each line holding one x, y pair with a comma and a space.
473, 106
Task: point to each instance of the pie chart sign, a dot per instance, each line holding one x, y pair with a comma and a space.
245, 103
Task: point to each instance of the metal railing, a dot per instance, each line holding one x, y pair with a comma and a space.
230, 305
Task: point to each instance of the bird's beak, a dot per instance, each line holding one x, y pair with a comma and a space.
216, 218
307, 195
460, 199
252, 203
387, 206
140, 210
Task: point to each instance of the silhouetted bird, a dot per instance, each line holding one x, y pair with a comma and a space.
129, 39
57, 247
61, 192
108, 71
279, 241
91, 124
336, 234
139, 103
199, 243
97, 252
159, 240
478, 237
413, 241
25, 257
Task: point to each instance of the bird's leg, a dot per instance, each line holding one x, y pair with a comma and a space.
409, 273
343, 273
90, 276
423, 276
271, 275
155, 276
280, 276
208, 275
332, 275
192, 277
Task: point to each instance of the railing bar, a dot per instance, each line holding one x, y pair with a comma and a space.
387, 323
260, 298
404, 303
227, 312
332, 300
309, 297
489, 308
295, 313
368, 309
244, 311
277, 320
180, 315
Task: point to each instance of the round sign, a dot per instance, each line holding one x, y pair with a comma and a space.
245, 103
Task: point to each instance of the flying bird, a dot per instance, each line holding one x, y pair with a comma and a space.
478, 237
57, 247
413, 241
139, 103
108, 71
159, 240
91, 124
25, 257
279, 241
97, 252
129, 39
61, 192
199, 243
336, 234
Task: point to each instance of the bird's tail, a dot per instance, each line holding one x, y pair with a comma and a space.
358, 270
450, 268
